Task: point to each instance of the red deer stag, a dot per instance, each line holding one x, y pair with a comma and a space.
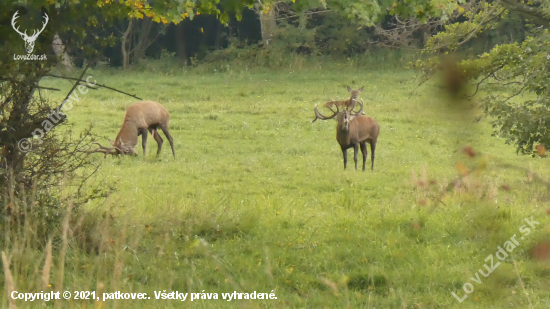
350, 103
353, 130
140, 117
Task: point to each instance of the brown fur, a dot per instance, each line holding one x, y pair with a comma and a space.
354, 130
140, 118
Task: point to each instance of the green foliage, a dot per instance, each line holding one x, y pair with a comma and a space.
517, 96
339, 37
524, 67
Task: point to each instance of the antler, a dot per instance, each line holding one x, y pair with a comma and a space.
360, 110
15, 16
318, 115
35, 34
105, 150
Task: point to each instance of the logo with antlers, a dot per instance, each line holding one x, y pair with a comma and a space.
29, 40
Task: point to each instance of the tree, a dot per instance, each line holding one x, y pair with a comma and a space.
515, 75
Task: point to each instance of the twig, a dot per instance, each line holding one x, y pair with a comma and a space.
47, 88
307, 14
96, 85
521, 282
481, 81
74, 87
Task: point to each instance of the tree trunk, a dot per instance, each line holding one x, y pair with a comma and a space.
125, 41
218, 37
60, 51
179, 37
268, 23
143, 40
426, 35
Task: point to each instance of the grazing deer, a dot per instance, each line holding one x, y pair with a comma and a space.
350, 103
353, 130
140, 117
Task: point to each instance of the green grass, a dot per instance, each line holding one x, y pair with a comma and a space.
265, 190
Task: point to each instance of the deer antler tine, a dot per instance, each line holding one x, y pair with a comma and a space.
361, 109
318, 115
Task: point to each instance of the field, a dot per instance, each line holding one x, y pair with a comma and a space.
257, 198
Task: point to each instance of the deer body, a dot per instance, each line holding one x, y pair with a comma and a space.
140, 118
354, 130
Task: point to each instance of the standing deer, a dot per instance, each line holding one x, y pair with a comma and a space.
352, 130
350, 103
140, 117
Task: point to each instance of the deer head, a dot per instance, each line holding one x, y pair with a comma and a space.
354, 96
119, 148
29, 40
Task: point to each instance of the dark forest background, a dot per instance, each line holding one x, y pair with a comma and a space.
205, 38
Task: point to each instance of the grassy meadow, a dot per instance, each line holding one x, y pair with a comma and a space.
257, 198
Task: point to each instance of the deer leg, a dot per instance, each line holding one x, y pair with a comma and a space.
345, 154
143, 133
355, 151
372, 148
164, 129
364, 152
157, 138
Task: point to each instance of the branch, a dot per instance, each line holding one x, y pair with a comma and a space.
482, 80
306, 13
74, 87
47, 88
528, 11
470, 35
80, 80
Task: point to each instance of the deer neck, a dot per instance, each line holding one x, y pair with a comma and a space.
128, 134
343, 134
